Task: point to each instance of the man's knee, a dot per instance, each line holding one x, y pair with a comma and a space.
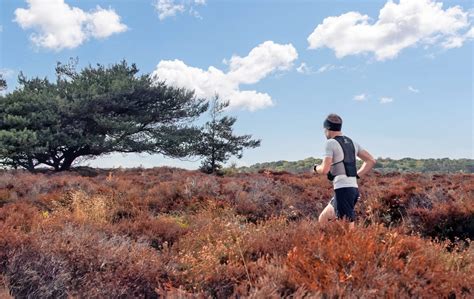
327, 214
322, 217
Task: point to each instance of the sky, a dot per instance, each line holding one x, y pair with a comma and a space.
399, 73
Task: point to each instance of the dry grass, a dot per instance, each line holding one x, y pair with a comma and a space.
182, 234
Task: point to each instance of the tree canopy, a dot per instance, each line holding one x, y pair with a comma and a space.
3, 83
95, 111
218, 142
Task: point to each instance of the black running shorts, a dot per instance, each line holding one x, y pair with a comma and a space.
344, 201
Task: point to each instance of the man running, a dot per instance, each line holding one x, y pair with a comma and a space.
339, 164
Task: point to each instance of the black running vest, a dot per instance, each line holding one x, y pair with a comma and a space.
349, 161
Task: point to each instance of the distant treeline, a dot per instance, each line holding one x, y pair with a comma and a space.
383, 165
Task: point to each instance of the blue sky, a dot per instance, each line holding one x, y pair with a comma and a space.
399, 74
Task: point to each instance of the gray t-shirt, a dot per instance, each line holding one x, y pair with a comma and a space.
334, 150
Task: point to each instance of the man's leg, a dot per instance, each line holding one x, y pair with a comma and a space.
351, 225
346, 198
327, 214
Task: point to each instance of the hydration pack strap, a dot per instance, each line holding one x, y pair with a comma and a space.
349, 155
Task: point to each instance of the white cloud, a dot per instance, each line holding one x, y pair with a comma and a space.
398, 26
261, 61
58, 26
326, 67
412, 89
195, 13
104, 22
385, 100
170, 8
304, 69
360, 97
329, 67
470, 33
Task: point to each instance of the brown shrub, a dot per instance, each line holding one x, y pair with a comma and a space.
209, 257
375, 262
79, 260
159, 231
19, 216
453, 221
176, 233
85, 208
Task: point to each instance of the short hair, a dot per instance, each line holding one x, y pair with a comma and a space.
334, 118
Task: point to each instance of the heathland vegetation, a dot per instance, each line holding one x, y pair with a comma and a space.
146, 233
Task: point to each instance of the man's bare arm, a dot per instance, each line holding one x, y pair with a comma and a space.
325, 166
369, 162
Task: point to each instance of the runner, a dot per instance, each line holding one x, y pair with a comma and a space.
339, 164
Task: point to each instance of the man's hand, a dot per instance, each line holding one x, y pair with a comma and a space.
324, 167
369, 163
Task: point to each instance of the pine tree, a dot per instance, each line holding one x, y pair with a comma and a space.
3, 83
218, 142
93, 112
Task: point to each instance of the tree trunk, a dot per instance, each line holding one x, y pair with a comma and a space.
213, 161
27, 166
66, 165
31, 165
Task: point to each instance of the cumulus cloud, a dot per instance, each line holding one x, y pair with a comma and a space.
58, 26
104, 22
413, 89
402, 25
385, 100
170, 8
261, 61
360, 97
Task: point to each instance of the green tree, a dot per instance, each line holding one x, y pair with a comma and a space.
92, 112
3, 83
218, 142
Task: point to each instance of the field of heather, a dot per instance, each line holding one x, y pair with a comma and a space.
149, 233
